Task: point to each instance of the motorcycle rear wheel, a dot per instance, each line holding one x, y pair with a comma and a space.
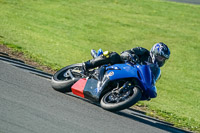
62, 82
116, 106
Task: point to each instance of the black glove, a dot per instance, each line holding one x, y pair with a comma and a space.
129, 57
135, 58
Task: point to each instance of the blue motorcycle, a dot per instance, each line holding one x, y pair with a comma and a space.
115, 87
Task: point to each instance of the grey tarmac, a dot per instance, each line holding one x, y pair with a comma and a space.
187, 1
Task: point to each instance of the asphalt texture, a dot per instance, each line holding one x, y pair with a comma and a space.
28, 104
187, 1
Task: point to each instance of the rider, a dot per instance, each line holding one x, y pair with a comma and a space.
157, 57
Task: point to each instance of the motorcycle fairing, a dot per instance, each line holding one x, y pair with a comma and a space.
78, 87
120, 71
141, 72
88, 88
90, 91
147, 81
92, 88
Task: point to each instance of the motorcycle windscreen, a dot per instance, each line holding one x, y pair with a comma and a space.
78, 87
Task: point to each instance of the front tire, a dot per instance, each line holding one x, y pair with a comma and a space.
60, 82
116, 106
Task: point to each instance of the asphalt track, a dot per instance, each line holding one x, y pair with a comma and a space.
187, 1
28, 104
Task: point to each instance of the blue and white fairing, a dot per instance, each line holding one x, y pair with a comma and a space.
142, 73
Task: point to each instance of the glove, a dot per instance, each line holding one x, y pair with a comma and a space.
135, 58
130, 57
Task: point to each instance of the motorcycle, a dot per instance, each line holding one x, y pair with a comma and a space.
115, 87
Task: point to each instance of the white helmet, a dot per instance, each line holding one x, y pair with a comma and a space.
159, 54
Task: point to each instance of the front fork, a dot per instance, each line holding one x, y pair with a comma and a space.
123, 89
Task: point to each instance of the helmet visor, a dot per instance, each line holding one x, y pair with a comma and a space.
161, 60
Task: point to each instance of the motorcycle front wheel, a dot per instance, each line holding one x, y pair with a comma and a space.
63, 79
113, 102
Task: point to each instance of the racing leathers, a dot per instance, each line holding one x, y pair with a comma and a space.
139, 55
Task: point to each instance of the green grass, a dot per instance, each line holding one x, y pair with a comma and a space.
57, 33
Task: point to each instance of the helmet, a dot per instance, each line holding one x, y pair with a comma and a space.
159, 54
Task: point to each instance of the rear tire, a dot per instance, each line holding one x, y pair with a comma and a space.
61, 83
131, 100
